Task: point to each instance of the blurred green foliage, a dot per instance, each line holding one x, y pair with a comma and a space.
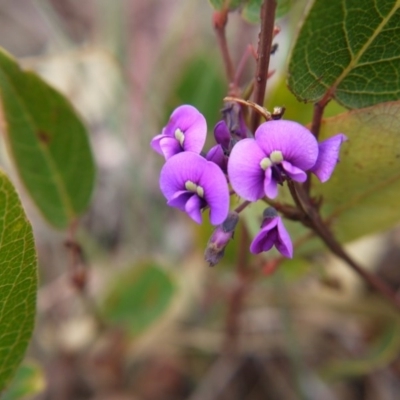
139, 297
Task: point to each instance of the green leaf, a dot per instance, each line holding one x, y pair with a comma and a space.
140, 297
362, 195
295, 110
48, 142
28, 381
18, 281
383, 351
251, 9
350, 48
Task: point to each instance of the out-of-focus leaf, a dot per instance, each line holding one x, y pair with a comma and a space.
294, 269
28, 381
18, 281
381, 353
202, 85
48, 142
140, 297
251, 9
295, 110
220, 4
351, 48
362, 195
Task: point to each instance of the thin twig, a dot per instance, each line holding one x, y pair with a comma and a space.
263, 56
317, 224
242, 206
220, 19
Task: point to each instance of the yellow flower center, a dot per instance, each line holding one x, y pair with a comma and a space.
192, 187
179, 136
275, 157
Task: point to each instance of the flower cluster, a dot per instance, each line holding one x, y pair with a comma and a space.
254, 166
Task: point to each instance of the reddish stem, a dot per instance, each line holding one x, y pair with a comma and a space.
220, 19
263, 55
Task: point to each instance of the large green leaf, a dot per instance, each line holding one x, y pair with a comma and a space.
48, 142
363, 193
18, 281
349, 47
140, 297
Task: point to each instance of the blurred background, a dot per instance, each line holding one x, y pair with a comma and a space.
144, 317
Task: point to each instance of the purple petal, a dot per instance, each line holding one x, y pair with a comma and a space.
179, 199
216, 192
293, 172
169, 146
270, 185
217, 156
245, 174
222, 134
155, 143
179, 169
283, 242
297, 144
266, 238
193, 125
193, 208
328, 157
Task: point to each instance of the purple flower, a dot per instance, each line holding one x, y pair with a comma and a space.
217, 153
328, 157
272, 233
186, 131
190, 183
280, 150
220, 238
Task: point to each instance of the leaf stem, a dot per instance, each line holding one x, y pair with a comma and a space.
263, 55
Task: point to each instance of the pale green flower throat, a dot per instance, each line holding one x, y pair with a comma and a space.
179, 136
275, 157
192, 187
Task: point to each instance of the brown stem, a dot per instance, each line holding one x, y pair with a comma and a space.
319, 227
242, 206
220, 19
79, 273
244, 273
263, 55
244, 278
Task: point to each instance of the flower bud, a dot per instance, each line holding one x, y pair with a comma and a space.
222, 135
220, 238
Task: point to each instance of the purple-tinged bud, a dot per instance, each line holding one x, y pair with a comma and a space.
268, 213
234, 119
220, 238
222, 135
